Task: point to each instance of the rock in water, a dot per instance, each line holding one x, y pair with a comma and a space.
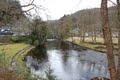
99, 78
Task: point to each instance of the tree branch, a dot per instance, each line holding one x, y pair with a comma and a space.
112, 2
28, 4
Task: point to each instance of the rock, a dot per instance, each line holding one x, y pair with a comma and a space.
99, 78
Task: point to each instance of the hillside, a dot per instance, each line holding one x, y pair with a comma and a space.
87, 20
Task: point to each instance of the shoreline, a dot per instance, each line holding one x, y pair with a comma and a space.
85, 46
95, 46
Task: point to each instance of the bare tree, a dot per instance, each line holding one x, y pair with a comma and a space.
108, 39
15, 9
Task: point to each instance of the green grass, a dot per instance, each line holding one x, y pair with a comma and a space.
9, 50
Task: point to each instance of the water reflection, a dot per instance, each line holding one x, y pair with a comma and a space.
67, 63
37, 58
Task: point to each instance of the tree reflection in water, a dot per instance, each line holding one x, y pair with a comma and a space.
37, 56
67, 63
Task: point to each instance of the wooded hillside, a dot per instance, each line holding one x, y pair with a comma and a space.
82, 23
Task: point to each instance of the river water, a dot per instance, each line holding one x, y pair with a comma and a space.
65, 61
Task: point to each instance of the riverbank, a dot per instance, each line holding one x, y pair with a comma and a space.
8, 51
98, 46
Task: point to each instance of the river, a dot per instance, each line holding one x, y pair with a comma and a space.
65, 61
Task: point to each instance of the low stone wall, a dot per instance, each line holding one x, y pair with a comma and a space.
4, 39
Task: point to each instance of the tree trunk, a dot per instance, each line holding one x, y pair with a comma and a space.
83, 33
118, 68
80, 35
95, 34
83, 36
108, 39
92, 36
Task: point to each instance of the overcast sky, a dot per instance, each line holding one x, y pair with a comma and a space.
57, 8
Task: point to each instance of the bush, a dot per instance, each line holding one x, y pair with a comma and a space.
38, 33
19, 39
5, 39
15, 39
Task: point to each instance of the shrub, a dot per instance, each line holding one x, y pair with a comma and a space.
38, 33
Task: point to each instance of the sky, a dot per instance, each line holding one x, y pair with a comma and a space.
57, 8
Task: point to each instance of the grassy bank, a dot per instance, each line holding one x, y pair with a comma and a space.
98, 46
8, 50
